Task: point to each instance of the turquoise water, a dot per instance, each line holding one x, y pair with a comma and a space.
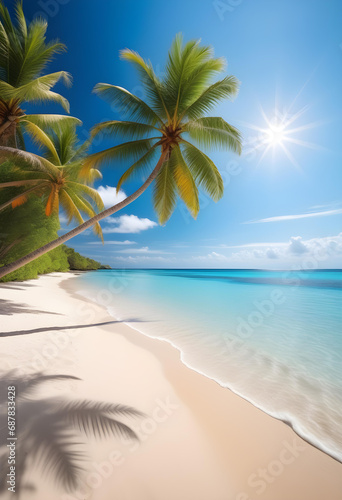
275, 338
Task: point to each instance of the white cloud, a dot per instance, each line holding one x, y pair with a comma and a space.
272, 253
297, 246
319, 248
213, 256
298, 216
109, 195
111, 242
144, 259
322, 252
63, 219
143, 250
128, 224
255, 245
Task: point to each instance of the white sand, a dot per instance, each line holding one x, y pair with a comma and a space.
199, 441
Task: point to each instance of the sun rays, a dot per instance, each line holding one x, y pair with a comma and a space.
280, 130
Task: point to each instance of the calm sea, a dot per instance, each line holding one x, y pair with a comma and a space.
273, 337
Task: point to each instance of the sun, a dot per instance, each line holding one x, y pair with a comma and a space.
279, 132
275, 135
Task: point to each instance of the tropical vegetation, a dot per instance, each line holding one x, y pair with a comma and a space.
24, 55
164, 137
46, 182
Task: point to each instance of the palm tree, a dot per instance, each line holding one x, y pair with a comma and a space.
52, 441
171, 124
55, 176
24, 55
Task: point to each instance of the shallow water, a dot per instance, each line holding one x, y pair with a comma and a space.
275, 338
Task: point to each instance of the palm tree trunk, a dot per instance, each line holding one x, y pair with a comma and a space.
4, 126
13, 266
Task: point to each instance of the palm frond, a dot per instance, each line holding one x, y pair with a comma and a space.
37, 90
52, 121
138, 166
93, 175
69, 207
41, 139
83, 205
223, 89
52, 204
77, 153
129, 104
186, 185
188, 71
152, 85
24, 50
28, 161
91, 193
19, 183
21, 21
66, 142
204, 171
124, 151
6, 18
165, 191
116, 128
214, 132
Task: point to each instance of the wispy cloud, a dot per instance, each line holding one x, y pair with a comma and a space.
255, 245
144, 259
142, 250
112, 242
281, 218
211, 257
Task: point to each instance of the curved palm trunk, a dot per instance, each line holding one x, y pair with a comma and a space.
13, 266
4, 126
5, 135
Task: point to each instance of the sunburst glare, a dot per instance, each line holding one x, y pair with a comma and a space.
279, 132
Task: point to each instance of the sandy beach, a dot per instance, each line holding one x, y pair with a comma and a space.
198, 441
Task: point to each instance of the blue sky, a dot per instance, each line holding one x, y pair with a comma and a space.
281, 208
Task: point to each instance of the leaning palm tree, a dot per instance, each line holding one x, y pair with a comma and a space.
55, 176
52, 441
24, 55
169, 129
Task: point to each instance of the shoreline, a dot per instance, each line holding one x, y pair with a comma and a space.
239, 439
311, 441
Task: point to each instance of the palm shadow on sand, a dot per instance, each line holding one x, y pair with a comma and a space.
49, 430
62, 328
9, 308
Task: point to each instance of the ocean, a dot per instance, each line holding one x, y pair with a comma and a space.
272, 337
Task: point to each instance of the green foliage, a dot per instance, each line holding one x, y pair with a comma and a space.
171, 123
78, 262
28, 230
55, 176
24, 56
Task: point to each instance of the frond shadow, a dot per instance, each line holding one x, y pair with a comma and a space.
71, 327
49, 430
9, 307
